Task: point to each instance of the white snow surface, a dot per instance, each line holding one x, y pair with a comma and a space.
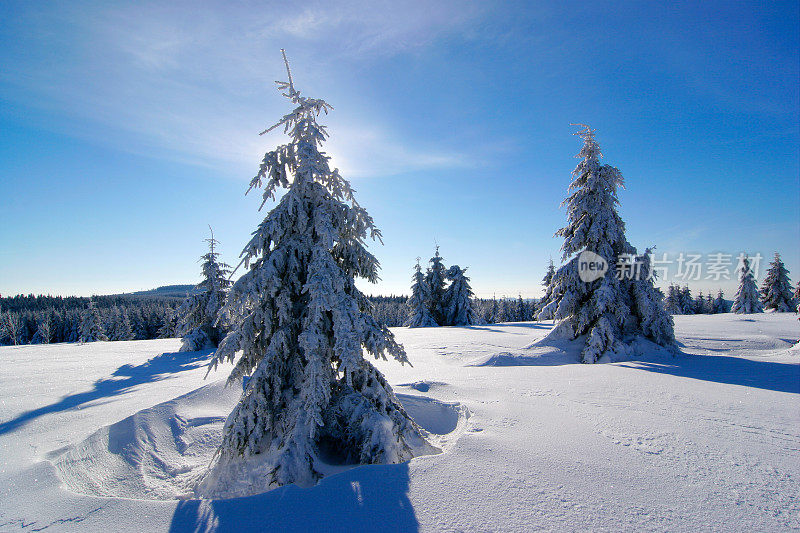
110, 436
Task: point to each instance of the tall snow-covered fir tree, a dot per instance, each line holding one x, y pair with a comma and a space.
419, 315
746, 300
301, 325
435, 277
458, 298
91, 325
547, 281
199, 315
776, 290
612, 310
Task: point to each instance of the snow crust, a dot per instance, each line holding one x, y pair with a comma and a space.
704, 441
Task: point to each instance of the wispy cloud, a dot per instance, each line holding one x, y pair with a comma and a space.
193, 82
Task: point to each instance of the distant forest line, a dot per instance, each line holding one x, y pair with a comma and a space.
32, 319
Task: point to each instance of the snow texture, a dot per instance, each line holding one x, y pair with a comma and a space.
705, 441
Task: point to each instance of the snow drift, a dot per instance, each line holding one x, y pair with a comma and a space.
160, 453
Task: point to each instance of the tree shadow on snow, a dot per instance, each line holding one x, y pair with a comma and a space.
121, 381
529, 325
768, 375
483, 328
366, 498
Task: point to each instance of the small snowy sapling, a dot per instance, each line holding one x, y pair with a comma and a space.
199, 315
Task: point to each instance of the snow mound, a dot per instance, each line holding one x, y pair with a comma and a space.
546, 352
160, 453
155, 454
514, 359
553, 351
424, 386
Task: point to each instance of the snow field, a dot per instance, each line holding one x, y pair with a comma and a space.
706, 441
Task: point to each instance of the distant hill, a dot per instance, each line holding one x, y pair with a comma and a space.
167, 291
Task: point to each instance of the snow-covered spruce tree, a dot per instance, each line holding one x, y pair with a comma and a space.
776, 290
673, 300
647, 305
44, 328
797, 298
435, 278
524, 310
687, 302
119, 325
11, 327
505, 311
301, 326
547, 281
612, 310
492, 317
746, 300
720, 305
700, 304
167, 329
419, 315
198, 315
458, 298
124, 330
91, 325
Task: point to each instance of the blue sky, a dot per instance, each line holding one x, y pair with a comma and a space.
127, 129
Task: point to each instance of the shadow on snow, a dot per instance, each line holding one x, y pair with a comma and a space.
366, 498
121, 381
768, 375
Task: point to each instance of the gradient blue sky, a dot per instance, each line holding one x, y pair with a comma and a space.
127, 128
